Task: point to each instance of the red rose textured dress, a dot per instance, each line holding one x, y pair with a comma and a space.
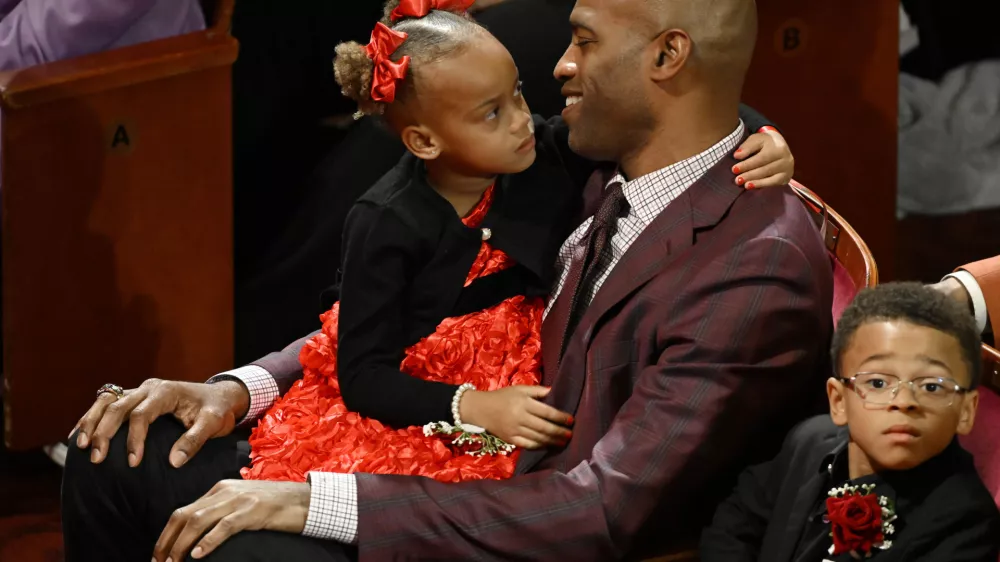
310, 428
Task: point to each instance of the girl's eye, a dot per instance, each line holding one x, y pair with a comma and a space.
493, 114
517, 90
581, 42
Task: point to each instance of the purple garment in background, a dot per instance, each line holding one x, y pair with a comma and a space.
41, 31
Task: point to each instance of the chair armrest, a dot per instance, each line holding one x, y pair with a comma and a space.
117, 68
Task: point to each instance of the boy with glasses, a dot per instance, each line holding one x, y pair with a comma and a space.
883, 475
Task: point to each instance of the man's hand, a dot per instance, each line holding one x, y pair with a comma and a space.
954, 289
207, 410
230, 507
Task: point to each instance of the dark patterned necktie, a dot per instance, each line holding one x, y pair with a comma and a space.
572, 302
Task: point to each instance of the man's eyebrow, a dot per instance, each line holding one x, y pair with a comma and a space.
579, 25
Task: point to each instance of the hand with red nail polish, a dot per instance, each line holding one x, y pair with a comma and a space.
517, 415
766, 160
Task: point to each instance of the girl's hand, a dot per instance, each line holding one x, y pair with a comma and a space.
772, 163
517, 415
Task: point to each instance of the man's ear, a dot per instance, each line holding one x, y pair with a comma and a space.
967, 416
836, 392
671, 52
421, 141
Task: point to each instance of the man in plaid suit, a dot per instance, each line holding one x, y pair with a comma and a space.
687, 334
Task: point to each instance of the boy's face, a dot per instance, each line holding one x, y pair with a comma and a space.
902, 431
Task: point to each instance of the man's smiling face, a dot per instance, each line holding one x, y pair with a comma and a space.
607, 109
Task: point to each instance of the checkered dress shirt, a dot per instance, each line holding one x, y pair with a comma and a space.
647, 197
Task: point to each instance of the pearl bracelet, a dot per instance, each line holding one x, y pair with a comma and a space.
457, 400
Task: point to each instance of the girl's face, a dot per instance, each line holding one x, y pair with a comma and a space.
469, 113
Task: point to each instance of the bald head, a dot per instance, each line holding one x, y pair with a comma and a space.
655, 77
723, 32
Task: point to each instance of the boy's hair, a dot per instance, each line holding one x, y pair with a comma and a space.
916, 304
437, 35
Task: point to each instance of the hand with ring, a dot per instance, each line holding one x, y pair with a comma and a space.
206, 410
118, 391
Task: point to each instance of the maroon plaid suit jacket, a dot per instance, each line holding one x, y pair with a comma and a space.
706, 343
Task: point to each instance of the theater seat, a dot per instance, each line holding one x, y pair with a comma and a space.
853, 264
985, 436
117, 224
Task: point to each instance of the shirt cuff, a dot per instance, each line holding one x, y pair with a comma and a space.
333, 507
262, 386
976, 294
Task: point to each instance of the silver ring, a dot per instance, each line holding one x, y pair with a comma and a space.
111, 389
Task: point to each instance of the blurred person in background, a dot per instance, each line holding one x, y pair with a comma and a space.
41, 31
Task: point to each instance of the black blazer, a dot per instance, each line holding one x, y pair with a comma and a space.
945, 514
406, 255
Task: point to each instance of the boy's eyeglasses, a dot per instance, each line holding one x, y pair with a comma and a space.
880, 388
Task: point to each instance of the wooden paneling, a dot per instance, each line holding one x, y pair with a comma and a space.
117, 225
827, 74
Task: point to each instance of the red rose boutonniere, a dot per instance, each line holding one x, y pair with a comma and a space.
860, 521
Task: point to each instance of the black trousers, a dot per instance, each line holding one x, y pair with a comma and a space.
114, 513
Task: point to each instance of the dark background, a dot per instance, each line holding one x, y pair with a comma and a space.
297, 172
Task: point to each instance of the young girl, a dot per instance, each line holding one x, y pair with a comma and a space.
446, 263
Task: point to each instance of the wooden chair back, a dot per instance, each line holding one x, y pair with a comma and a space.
853, 263
116, 175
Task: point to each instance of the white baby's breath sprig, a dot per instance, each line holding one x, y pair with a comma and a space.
468, 434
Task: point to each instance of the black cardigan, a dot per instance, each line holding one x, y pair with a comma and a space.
406, 255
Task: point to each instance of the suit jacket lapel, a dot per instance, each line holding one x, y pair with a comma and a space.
815, 483
702, 205
556, 320
669, 234
672, 232
799, 514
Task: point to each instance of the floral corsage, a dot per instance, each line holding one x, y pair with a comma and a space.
860, 521
470, 439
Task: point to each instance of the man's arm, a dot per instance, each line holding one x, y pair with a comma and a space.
984, 291
977, 286
749, 333
267, 378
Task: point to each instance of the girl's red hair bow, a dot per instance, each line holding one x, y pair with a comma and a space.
386, 74
420, 8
